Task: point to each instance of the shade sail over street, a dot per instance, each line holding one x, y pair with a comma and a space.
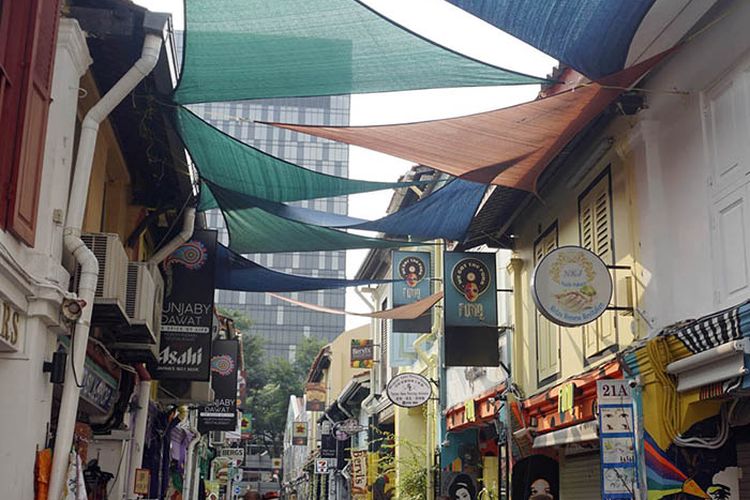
225, 161
406, 312
253, 49
592, 36
507, 147
253, 230
235, 272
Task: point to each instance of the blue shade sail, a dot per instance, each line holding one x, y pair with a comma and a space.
592, 36
235, 272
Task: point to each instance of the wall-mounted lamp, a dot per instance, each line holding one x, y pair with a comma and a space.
56, 367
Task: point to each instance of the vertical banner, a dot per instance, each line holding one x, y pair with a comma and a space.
188, 310
361, 353
618, 440
299, 433
315, 396
221, 415
412, 272
471, 335
359, 474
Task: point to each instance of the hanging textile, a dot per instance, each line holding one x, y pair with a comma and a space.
225, 161
507, 147
409, 311
253, 230
445, 213
592, 36
250, 49
235, 272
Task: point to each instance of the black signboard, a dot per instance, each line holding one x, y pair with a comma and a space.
222, 414
187, 314
327, 446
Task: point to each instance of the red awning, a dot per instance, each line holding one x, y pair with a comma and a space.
508, 147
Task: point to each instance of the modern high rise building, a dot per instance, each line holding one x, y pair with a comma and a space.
282, 325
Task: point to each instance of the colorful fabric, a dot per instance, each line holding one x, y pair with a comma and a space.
663, 477
250, 49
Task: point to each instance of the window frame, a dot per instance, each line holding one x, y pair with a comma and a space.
541, 382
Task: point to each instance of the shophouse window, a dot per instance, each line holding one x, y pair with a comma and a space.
596, 234
547, 333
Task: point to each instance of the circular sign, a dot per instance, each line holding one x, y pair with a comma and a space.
409, 390
412, 270
471, 277
571, 286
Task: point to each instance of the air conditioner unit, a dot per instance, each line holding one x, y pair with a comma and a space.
142, 303
111, 287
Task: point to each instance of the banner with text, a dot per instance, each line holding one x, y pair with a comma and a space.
188, 310
222, 414
315, 396
471, 332
361, 354
412, 272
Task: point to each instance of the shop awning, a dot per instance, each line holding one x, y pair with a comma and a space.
592, 36
508, 147
253, 49
235, 272
587, 431
225, 161
409, 311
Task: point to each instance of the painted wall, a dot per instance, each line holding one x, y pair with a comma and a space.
340, 372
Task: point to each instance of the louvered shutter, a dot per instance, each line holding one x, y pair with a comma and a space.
580, 478
595, 222
34, 107
547, 332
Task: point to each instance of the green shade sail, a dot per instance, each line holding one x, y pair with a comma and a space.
224, 161
253, 49
253, 230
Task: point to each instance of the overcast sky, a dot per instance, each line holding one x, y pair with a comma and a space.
448, 26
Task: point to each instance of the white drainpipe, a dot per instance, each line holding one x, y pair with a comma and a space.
139, 430
184, 235
190, 467
85, 257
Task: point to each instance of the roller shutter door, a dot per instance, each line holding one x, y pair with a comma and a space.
580, 477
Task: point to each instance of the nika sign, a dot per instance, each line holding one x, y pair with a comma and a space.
187, 315
571, 286
409, 390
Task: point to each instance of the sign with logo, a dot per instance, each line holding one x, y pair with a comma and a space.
299, 433
617, 438
188, 310
571, 286
351, 426
328, 446
411, 272
361, 353
221, 415
276, 463
236, 455
315, 395
566, 397
142, 481
359, 472
321, 466
471, 334
409, 390
246, 425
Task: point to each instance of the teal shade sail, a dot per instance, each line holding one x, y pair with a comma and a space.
253, 230
254, 49
224, 161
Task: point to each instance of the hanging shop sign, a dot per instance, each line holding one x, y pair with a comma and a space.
221, 415
328, 446
11, 327
299, 433
566, 397
617, 439
571, 286
359, 472
362, 351
471, 333
315, 395
411, 272
409, 390
321, 466
188, 310
142, 481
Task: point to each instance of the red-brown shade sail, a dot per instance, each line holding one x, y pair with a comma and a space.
405, 312
508, 147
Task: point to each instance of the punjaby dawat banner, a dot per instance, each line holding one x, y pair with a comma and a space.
412, 275
471, 335
221, 415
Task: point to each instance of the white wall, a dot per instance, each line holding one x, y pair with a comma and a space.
677, 182
25, 392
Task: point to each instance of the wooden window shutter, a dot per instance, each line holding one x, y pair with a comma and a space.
34, 107
547, 332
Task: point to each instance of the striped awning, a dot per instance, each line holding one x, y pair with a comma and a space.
714, 329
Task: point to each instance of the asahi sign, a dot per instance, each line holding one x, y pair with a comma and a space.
571, 286
409, 390
187, 315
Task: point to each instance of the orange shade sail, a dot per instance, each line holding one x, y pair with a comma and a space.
507, 147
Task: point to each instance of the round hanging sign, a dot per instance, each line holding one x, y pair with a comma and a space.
412, 270
409, 390
571, 286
